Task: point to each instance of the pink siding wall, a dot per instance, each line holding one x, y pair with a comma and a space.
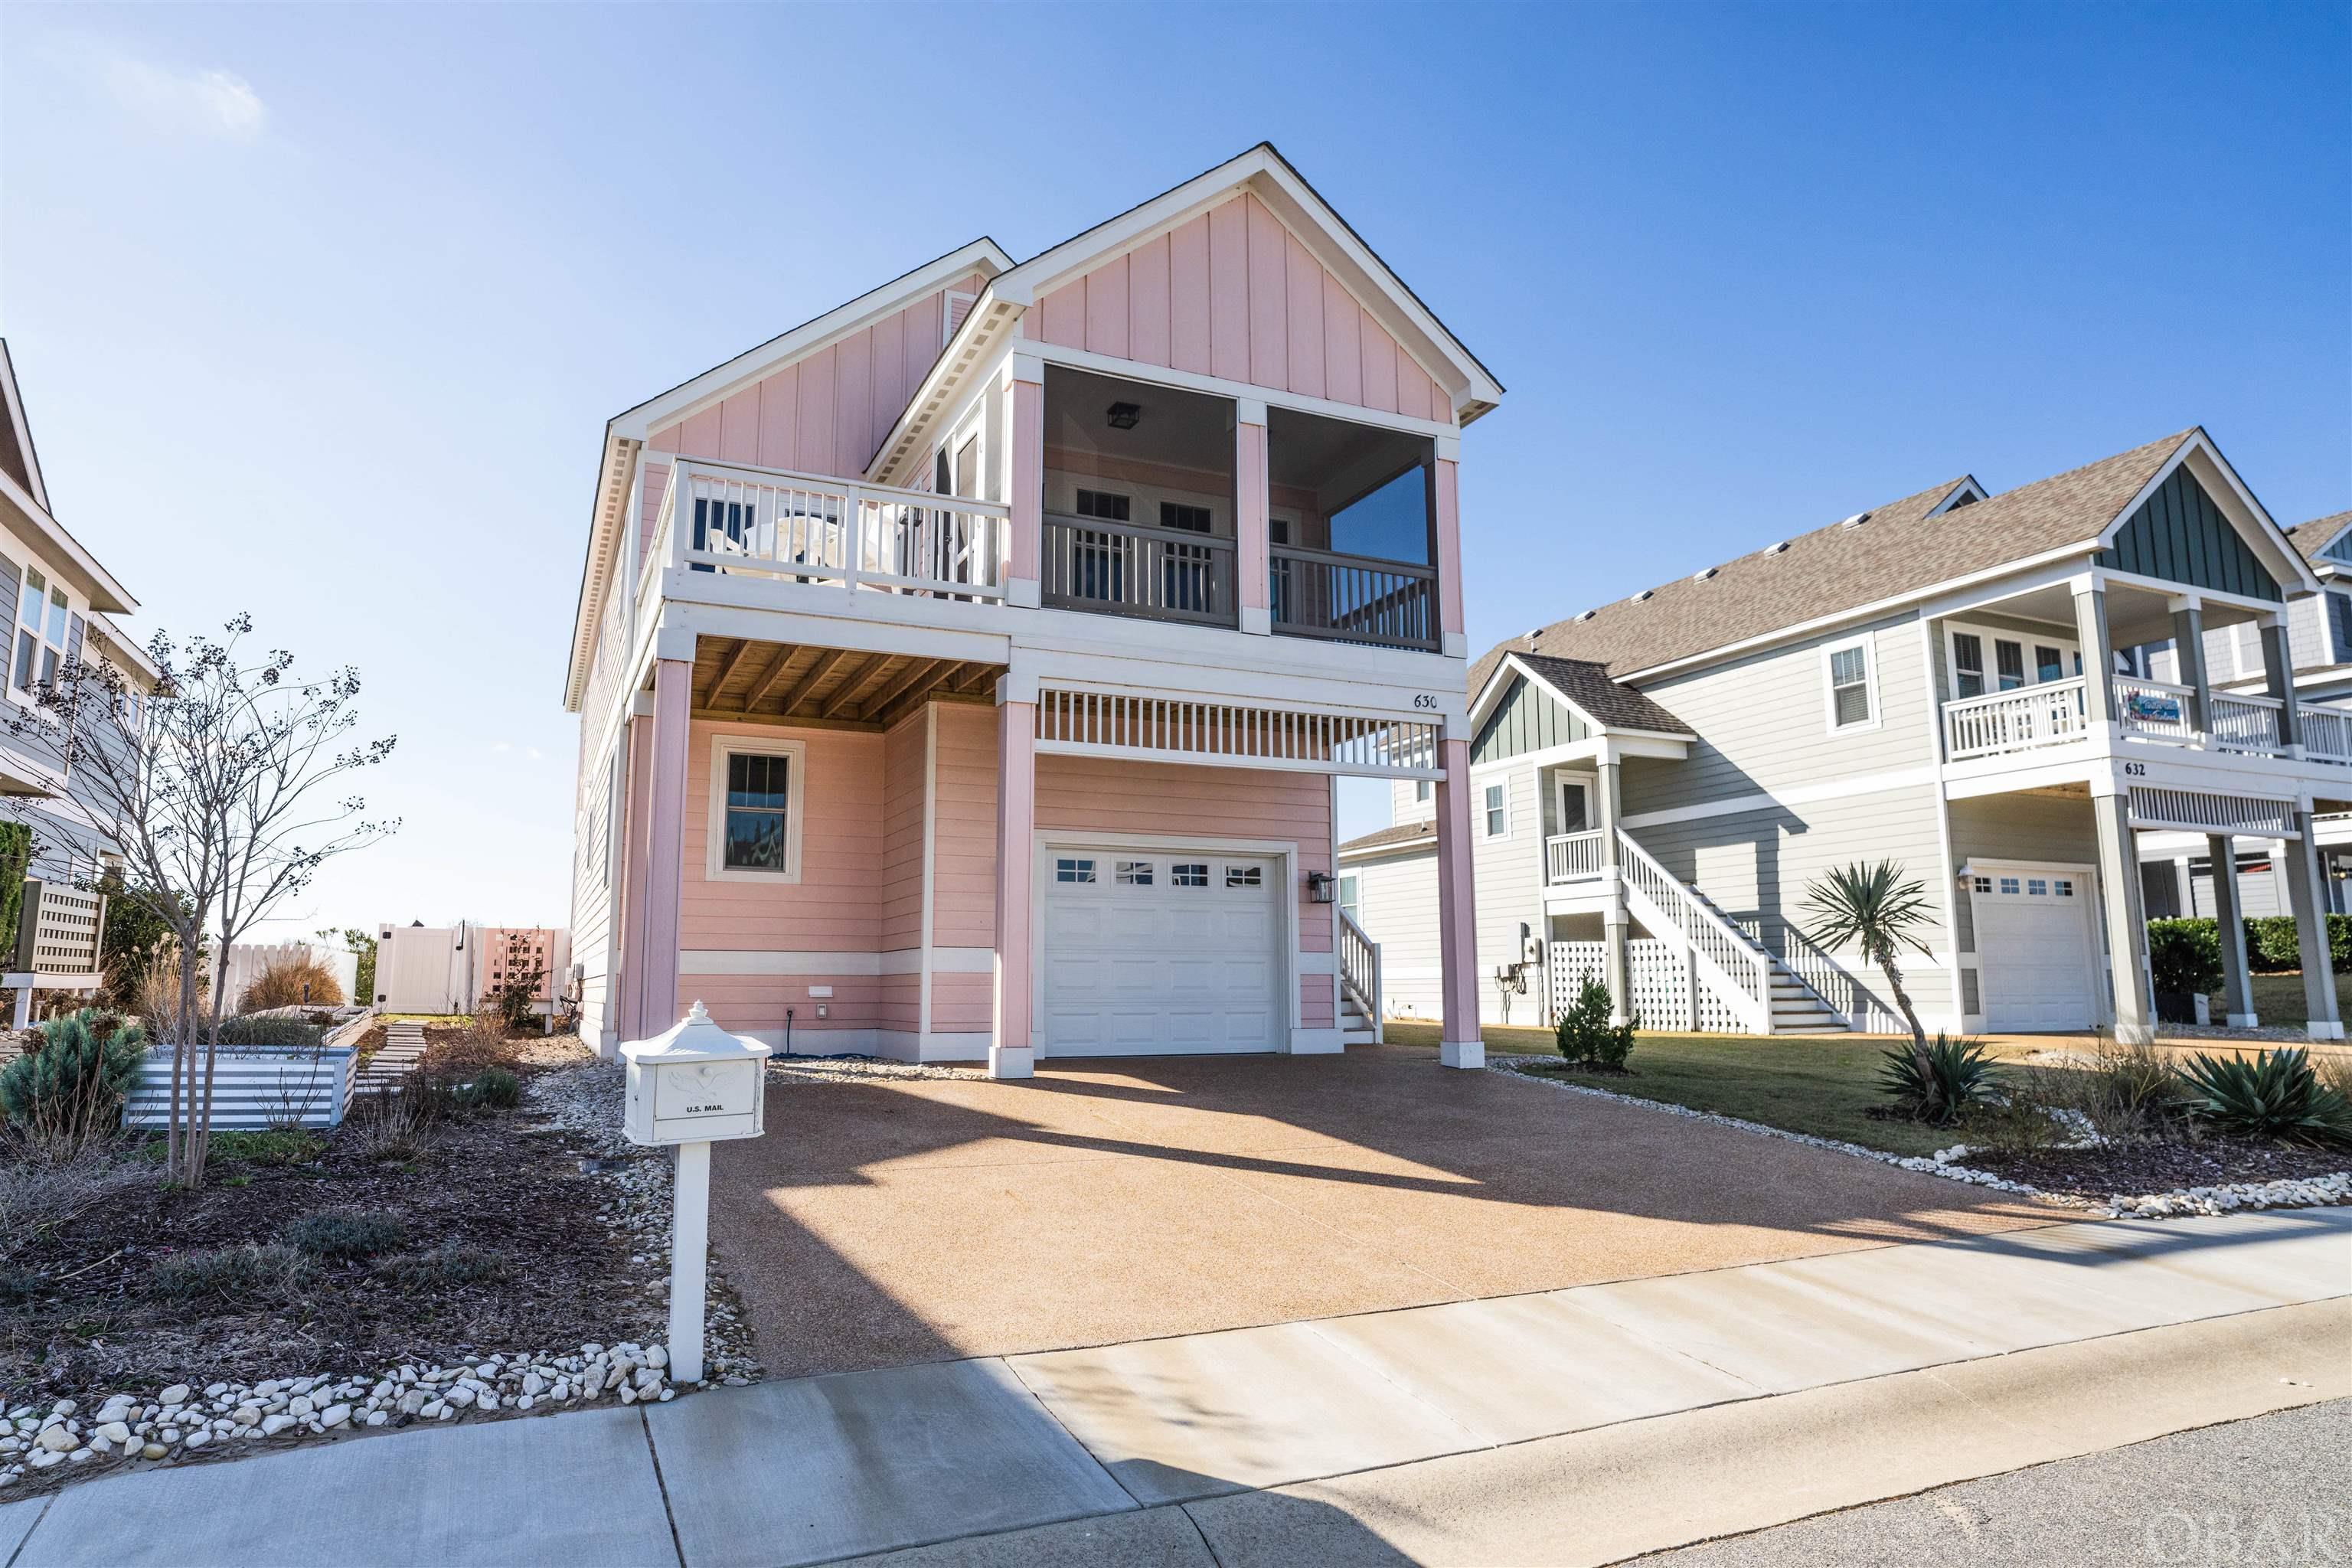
747, 1002
824, 414
1315, 1002
901, 871
963, 856
1235, 294
902, 1002
837, 906
963, 1004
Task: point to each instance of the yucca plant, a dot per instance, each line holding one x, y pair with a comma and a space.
1874, 909
2274, 1095
1935, 1086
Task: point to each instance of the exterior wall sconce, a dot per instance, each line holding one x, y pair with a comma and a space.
1322, 887
1124, 415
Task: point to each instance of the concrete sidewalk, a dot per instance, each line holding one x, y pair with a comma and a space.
1583, 1425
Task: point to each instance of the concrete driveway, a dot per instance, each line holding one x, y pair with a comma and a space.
883, 1222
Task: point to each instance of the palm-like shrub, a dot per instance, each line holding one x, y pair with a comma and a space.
2274, 1095
1876, 910
1935, 1084
67, 1090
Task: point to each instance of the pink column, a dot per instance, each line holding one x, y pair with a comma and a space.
1024, 552
1449, 559
1011, 1054
1460, 1044
628, 1017
1250, 502
666, 843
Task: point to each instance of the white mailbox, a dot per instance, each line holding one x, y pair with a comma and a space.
695, 1083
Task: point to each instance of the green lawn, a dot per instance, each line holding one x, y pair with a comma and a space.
2278, 998
1801, 1083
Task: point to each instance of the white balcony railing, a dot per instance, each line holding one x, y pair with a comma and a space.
2327, 733
1572, 857
2045, 715
775, 523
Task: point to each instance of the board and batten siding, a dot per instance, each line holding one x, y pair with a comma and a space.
1524, 718
2179, 535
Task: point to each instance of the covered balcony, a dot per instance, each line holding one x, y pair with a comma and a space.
1351, 530
2182, 671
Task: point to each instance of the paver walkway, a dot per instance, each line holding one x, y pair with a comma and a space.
883, 1222
1346, 1438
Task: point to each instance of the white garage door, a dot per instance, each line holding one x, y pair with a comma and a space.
2037, 960
1160, 954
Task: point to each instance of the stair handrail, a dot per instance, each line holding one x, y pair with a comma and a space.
1744, 965
1818, 968
1360, 968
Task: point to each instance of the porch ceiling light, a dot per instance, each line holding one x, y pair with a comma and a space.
1123, 416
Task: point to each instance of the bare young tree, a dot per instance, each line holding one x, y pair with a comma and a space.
213, 791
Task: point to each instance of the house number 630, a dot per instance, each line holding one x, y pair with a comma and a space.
1425, 699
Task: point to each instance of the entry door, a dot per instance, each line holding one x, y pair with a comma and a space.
1575, 804
1162, 953
2037, 956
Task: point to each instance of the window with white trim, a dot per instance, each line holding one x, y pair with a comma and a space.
753, 832
1496, 806
1107, 505
1134, 873
40, 632
1853, 704
1967, 665
1192, 874
1067, 869
1351, 898
1245, 876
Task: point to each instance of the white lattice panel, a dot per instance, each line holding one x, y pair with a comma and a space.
1661, 977
1572, 963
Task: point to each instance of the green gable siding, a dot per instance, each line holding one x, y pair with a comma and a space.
2179, 535
1526, 719
2340, 551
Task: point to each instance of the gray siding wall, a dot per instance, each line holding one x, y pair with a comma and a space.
2020, 827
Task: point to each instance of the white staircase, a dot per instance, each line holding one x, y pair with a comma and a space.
1797, 1007
1356, 1026
1747, 986
1359, 982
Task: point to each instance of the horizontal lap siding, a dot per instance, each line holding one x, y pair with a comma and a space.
837, 906
1234, 294
2020, 827
1096, 794
963, 1004
903, 752
747, 1002
963, 842
1508, 875
901, 1002
1315, 1002
1396, 903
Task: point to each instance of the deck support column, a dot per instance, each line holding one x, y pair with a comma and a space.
2230, 925
1616, 923
1460, 1042
666, 843
1012, 1049
1252, 510
637, 822
2311, 929
2120, 903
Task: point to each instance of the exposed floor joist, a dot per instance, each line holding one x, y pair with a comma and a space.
832, 688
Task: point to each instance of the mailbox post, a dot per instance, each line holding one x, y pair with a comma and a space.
688, 1086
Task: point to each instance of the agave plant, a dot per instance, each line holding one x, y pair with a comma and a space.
1936, 1085
2274, 1095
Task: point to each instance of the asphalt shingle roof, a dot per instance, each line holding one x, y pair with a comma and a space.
1588, 686
1403, 833
2312, 537
1896, 548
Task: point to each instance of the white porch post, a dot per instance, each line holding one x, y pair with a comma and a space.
1616, 967
1253, 560
2311, 929
2229, 920
2126, 923
1459, 1042
1011, 1052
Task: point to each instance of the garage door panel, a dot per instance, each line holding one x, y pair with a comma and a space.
2037, 959
1134, 967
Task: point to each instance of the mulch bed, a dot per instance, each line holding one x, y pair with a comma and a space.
79, 1314
2157, 1165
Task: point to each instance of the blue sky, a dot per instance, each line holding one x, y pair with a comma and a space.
319, 310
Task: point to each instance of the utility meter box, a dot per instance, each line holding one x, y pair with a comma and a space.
695, 1083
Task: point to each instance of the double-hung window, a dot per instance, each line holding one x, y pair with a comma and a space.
1968, 664
756, 789
1853, 704
1496, 804
40, 632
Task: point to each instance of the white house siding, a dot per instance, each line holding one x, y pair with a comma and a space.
1508, 875
1396, 903
1404, 804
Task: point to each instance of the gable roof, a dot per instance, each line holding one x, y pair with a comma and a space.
22, 484
18, 460
1402, 835
1586, 687
1264, 171
2313, 537
1879, 555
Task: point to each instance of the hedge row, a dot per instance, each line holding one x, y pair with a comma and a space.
2185, 954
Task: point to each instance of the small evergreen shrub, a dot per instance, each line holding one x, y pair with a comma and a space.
343, 1234
1955, 1076
2275, 1094
246, 1276
68, 1089
2185, 955
492, 1088
1587, 1039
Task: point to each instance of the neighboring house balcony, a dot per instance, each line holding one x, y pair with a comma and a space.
2154, 712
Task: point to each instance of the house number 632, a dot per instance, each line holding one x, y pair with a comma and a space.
2135, 770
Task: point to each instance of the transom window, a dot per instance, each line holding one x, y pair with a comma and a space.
759, 812
1497, 807
1190, 518
1850, 703
2008, 884
1245, 876
1134, 873
2016, 662
1074, 870
2037, 887
1107, 505
1984, 884
1194, 874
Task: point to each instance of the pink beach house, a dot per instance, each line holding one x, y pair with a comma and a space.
965, 673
